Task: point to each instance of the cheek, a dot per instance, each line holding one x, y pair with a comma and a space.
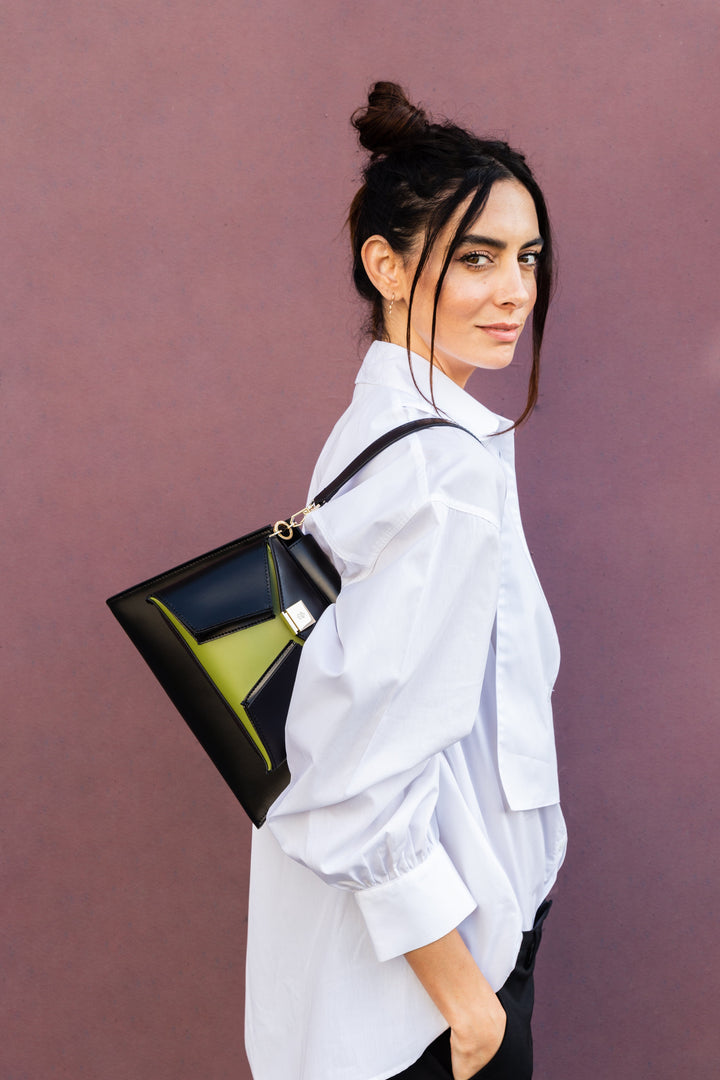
462, 302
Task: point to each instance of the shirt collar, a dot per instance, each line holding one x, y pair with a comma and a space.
386, 364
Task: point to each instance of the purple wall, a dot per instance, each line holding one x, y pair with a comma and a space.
179, 335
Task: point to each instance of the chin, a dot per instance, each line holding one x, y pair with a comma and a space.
497, 361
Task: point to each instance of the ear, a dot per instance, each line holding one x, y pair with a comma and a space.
383, 266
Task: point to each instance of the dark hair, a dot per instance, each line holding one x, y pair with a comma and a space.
418, 175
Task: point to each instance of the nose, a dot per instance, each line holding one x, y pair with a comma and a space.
514, 286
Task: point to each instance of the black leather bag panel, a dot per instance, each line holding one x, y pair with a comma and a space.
294, 584
310, 557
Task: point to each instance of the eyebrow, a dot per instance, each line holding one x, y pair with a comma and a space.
499, 245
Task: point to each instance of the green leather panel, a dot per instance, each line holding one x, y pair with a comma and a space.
235, 669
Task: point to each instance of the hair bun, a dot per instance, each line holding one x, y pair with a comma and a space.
390, 121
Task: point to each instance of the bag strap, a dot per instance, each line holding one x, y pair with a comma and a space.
284, 529
373, 450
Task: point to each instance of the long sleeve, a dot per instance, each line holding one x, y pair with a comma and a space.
390, 678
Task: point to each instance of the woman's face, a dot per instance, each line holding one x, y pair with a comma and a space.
488, 292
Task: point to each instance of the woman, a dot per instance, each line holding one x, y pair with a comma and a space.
398, 888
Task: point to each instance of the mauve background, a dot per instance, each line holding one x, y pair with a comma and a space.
179, 335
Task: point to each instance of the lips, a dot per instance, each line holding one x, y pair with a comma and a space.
503, 331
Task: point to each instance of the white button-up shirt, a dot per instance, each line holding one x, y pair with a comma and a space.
424, 790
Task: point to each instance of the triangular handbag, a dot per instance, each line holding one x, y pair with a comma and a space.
223, 634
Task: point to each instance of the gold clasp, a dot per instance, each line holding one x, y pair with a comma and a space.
298, 617
285, 529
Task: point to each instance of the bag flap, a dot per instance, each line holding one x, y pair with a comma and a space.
230, 594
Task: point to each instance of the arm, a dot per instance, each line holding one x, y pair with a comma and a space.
464, 997
390, 677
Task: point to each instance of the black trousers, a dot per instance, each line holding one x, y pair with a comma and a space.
514, 1059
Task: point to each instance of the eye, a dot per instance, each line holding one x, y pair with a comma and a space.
530, 258
476, 259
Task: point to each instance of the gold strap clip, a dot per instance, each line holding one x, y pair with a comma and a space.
285, 529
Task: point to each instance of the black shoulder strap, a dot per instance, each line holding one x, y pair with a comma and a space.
376, 448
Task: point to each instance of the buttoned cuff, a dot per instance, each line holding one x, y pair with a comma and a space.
415, 908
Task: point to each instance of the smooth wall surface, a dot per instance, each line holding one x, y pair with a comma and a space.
178, 336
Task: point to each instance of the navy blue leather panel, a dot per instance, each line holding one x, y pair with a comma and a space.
231, 593
268, 702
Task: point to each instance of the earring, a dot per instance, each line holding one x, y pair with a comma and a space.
391, 305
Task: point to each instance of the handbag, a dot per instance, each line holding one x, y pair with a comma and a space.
223, 634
